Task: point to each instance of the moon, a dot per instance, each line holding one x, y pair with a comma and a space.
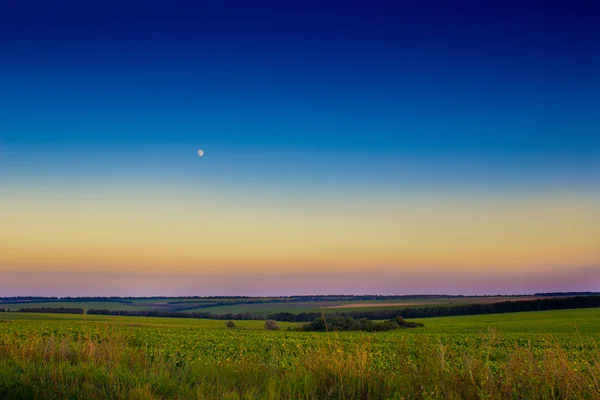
200, 153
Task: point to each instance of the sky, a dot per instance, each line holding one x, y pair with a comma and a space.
349, 147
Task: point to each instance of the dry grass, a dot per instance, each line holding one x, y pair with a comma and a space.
92, 368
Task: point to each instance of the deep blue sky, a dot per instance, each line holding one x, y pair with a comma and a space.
509, 88
502, 87
424, 75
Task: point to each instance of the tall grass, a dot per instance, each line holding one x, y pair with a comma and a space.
89, 367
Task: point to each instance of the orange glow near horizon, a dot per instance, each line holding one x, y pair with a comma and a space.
196, 233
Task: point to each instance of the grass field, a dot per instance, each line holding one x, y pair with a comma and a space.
266, 305
329, 307
136, 304
85, 305
99, 321
536, 355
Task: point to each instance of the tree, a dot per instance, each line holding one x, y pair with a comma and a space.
271, 325
230, 324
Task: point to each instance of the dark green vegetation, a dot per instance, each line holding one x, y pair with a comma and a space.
230, 324
534, 355
271, 325
53, 310
336, 324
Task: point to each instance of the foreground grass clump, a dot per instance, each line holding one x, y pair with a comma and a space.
96, 360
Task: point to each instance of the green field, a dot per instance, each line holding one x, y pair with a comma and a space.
99, 321
260, 306
535, 355
132, 305
330, 307
572, 322
85, 305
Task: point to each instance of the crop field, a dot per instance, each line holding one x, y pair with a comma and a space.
71, 320
529, 355
363, 305
135, 304
85, 305
258, 306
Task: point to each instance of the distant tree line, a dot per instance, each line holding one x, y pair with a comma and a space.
175, 314
2, 310
486, 308
206, 315
302, 317
322, 324
282, 317
317, 298
566, 294
60, 310
27, 298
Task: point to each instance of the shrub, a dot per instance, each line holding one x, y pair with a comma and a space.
349, 324
230, 324
271, 325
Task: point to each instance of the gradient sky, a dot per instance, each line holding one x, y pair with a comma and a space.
351, 147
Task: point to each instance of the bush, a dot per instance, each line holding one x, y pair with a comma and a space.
349, 324
230, 324
271, 325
